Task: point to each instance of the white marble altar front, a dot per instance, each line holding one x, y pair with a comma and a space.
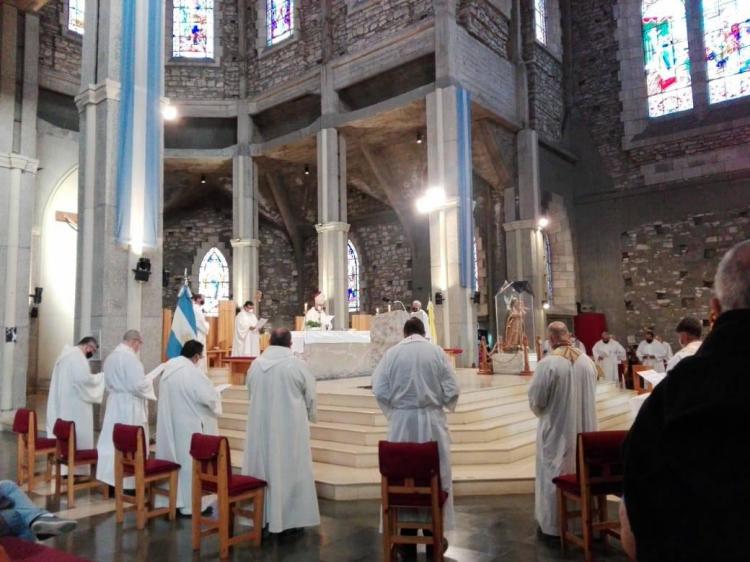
334, 354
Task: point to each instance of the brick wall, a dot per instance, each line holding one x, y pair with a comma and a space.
546, 96
484, 21
59, 50
279, 278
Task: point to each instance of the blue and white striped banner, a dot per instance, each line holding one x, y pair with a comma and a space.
140, 127
183, 323
465, 190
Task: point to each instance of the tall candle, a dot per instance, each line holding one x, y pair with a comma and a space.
377, 311
305, 308
389, 308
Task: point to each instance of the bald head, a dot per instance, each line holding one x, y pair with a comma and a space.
281, 337
732, 281
558, 333
133, 340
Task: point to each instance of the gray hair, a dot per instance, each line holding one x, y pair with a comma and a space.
558, 329
732, 281
132, 335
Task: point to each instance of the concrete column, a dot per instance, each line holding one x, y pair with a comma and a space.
451, 235
332, 225
245, 243
108, 299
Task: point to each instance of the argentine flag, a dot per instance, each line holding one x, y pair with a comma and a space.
183, 323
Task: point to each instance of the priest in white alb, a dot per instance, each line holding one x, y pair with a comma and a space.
414, 385
317, 318
562, 395
282, 403
73, 391
418, 312
689, 332
651, 352
201, 327
188, 403
608, 354
246, 337
128, 393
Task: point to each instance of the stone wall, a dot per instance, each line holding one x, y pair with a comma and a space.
668, 268
279, 278
546, 95
59, 50
560, 233
484, 21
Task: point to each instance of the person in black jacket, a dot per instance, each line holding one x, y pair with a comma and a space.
687, 457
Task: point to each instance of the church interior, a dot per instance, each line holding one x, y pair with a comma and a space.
506, 163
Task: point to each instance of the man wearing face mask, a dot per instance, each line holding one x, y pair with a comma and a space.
246, 338
651, 353
73, 391
128, 391
418, 312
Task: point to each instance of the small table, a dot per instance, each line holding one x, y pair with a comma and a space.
452, 353
216, 357
238, 367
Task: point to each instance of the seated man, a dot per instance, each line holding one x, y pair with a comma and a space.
19, 517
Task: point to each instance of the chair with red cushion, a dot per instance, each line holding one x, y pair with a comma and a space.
410, 477
131, 460
30, 446
212, 474
599, 473
68, 454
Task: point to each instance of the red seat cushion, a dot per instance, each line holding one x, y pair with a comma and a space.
569, 483
82, 455
44, 443
237, 485
416, 500
154, 466
28, 551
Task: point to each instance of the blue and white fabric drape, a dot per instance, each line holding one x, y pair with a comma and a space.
465, 190
140, 128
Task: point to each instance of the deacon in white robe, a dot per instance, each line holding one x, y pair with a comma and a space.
651, 353
414, 385
188, 403
246, 337
128, 392
418, 312
73, 392
608, 354
201, 328
689, 332
282, 398
562, 395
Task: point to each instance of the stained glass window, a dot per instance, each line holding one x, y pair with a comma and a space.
213, 281
540, 20
279, 20
353, 273
75, 15
193, 29
667, 61
726, 27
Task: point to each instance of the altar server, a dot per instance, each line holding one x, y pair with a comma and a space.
282, 404
127, 401
562, 395
418, 312
414, 385
188, 403
651, 353
689, 332
246, 338
201, 327
73, 392
608, 354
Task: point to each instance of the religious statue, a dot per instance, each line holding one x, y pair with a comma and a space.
514, 326
485, 361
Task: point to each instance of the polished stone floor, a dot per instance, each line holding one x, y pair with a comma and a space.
489, 528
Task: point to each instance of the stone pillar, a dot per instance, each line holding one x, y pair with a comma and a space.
108, 299
245, 243
332, 225
18, 167
451, 226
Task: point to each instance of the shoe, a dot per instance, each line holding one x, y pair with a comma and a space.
51, 525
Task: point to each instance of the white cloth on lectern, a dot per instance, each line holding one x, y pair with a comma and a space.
687, 351
608, 356
414, 384
246, 338
73, 391
563, 396
201, 332
127, 402
422, 315
282, 397
188, 403
657, 353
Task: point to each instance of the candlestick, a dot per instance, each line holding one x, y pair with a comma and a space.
389, 308
377, 311
305, 308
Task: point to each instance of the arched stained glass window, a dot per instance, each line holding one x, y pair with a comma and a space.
540, 21
279, 20
666, 57
353, 274
193, 29
726, 28
75, 15
213, 281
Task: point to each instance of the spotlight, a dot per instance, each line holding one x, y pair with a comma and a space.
438, 298
307, 170
545, 305
203, 179
419, 138
476, 297
142, 269
169, 112
543, 222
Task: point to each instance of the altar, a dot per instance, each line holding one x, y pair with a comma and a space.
334, 354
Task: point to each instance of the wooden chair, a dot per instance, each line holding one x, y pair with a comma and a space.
212, 474
68, 454
599, 472
131, 459
410, 478
30, 446
638, 381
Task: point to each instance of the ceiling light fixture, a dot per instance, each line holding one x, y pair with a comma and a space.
307, 170
203, 179
419, 137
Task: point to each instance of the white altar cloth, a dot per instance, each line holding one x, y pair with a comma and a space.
307, 337
334, 354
